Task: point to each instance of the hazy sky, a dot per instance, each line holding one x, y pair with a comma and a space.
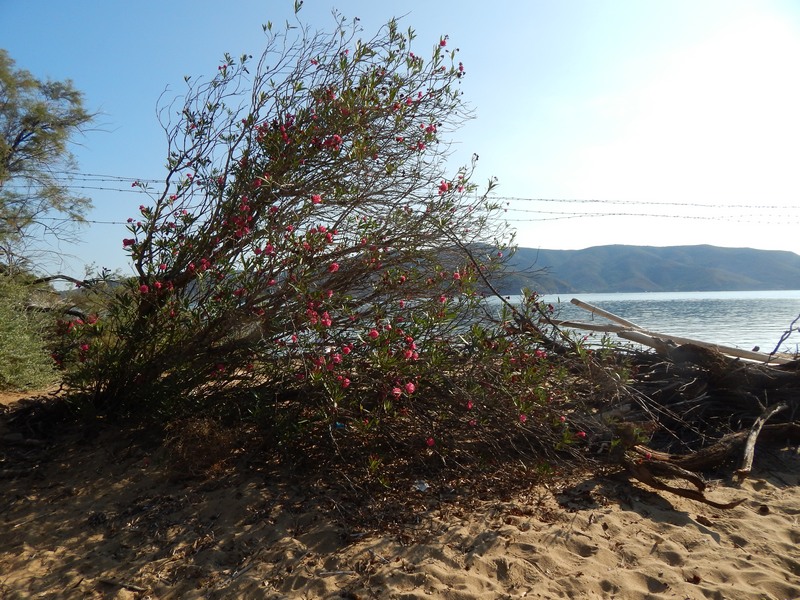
591, 113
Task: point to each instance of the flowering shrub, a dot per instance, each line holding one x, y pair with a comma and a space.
312, 263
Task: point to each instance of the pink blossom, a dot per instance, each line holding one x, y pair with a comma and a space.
469, 405
472, 422
457, 276
346, 350
316, 199
128, 242
144, 288
397, 392
410, 388
345, 383
523, 418
84, 347
333, 267
443, 42
443, 187
373, 333
430, 442
562, 418
581, 434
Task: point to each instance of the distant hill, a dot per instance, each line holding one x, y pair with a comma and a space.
621, 268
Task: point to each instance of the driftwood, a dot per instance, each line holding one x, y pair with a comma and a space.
701, 405
645, 473
633, 332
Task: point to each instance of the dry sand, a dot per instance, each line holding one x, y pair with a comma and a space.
104, 517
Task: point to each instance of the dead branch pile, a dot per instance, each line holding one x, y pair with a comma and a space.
692, 407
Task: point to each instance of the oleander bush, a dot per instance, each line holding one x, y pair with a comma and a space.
314, 266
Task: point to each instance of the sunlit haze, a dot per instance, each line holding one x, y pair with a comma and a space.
605, 122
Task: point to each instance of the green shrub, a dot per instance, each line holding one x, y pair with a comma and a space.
25, 361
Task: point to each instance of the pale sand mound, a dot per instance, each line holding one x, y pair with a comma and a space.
103, 518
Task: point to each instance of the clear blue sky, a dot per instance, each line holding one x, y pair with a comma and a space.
685, 109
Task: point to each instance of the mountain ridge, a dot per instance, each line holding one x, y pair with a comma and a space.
623, 268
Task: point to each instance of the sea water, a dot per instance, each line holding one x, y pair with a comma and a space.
738, 319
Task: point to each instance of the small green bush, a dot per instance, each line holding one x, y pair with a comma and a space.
25, 361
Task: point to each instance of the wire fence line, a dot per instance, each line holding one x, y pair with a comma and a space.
748, 213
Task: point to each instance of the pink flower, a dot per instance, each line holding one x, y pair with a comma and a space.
402, 303
581, 434
345, 383
410, 388
162, 267
469, 405
443, 42
346, 350
84, 347
397, 392
443, 187
333, 267
316, 199
128, 242
430, 442
442, 298
144, 289
373, 333
562, 418
472, 422
523, 418
457, 276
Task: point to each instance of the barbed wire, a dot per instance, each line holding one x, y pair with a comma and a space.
643, 203
137, 185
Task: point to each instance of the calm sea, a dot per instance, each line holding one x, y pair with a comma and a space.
738, 319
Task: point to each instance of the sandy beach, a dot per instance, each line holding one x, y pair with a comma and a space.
110, 516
